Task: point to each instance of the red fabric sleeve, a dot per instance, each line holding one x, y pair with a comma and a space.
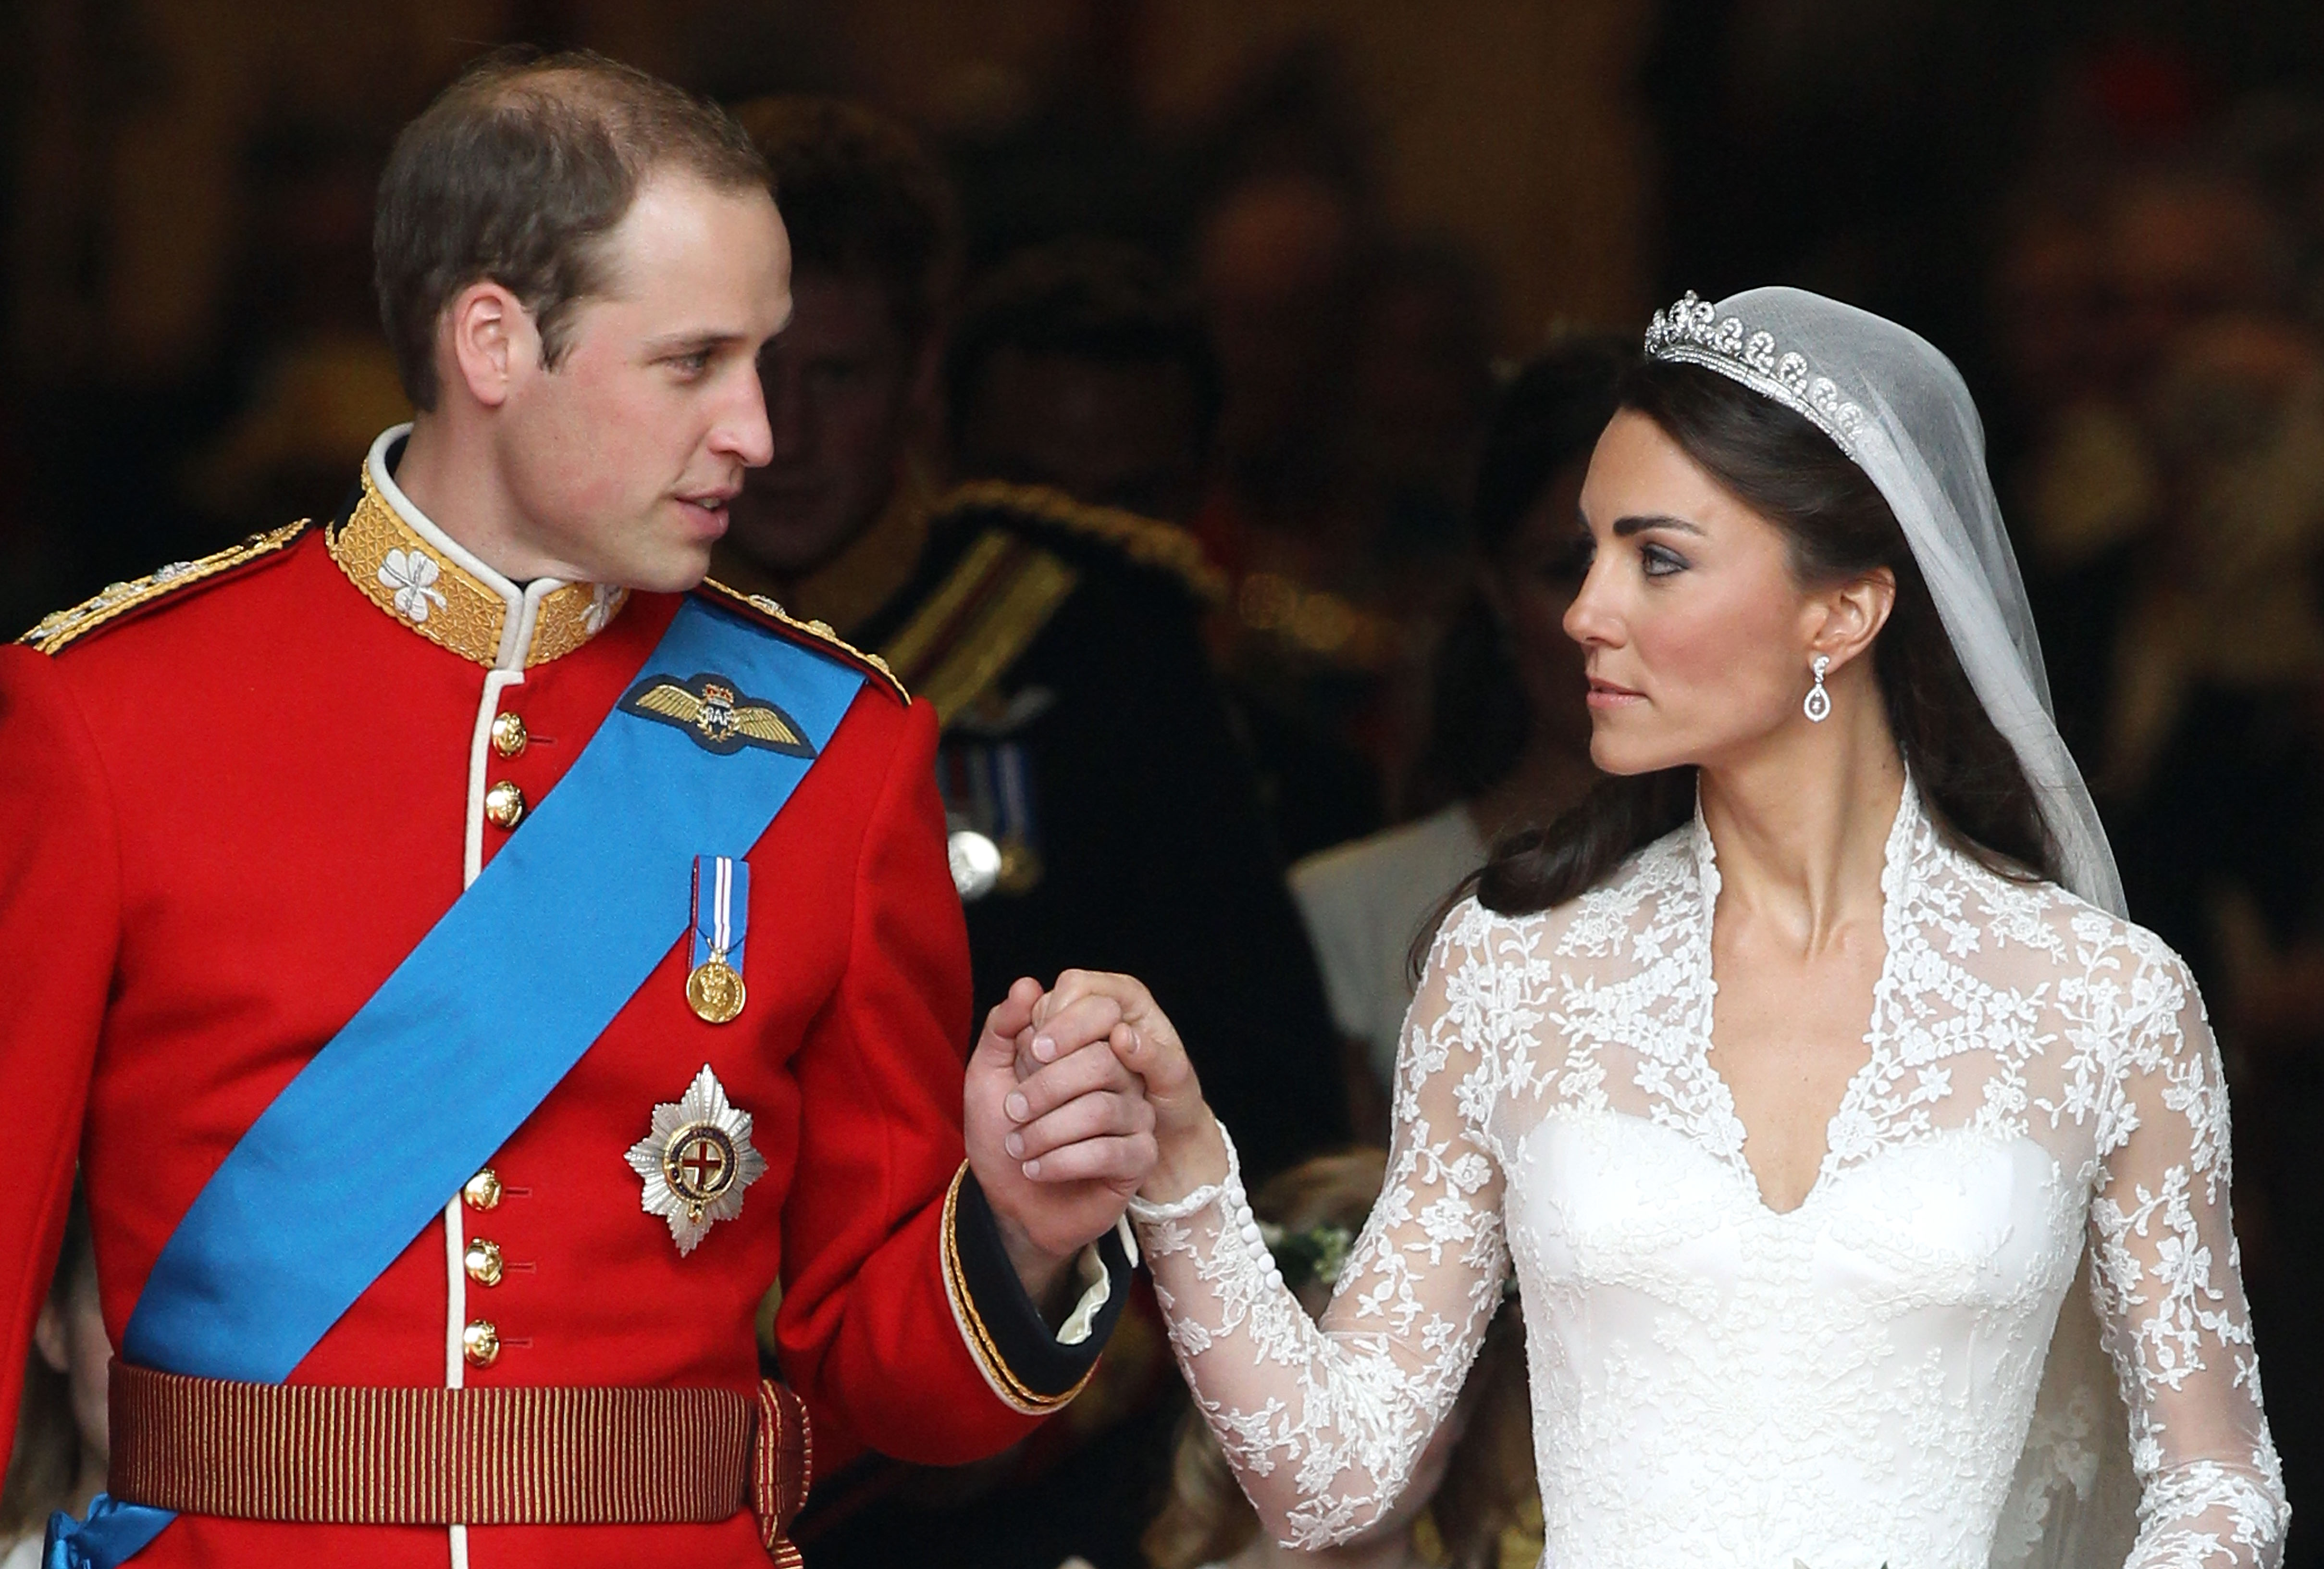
60, 928
865, 1332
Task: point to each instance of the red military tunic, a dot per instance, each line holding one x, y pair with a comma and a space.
226, 814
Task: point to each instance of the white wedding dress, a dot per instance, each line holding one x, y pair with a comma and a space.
1847, 1385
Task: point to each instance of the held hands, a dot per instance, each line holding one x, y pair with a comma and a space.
1057, 1178
1088, 1008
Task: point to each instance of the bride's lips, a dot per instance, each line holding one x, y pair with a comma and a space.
1605, 694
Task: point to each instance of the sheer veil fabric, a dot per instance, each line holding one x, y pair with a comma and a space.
1899, 409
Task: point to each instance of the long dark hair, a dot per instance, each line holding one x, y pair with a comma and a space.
1543, 424
1839, 526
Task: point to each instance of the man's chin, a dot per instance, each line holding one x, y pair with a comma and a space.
678, 570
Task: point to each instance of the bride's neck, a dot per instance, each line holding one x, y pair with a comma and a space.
1800, 823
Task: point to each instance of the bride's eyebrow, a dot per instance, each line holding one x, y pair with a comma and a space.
1626, 527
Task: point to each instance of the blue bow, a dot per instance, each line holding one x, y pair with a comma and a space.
114, 1532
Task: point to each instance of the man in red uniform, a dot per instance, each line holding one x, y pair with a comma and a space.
472, 961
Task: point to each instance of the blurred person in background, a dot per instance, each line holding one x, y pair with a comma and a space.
1509, 738
1470, 1502
1026, 615
1357, 381
314, 380
57, 1461
1275, 259
2175, 507
2154, 324
1101, 799
1080, 367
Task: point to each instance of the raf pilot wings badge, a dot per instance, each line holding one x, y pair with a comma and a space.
712, 710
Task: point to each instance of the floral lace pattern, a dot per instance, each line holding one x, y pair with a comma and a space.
1848, 1383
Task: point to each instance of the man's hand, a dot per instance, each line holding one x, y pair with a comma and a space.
1092, 1005
1057, 1178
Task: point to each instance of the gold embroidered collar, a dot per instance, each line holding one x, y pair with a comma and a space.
421, 583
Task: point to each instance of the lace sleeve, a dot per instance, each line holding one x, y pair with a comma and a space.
2169, 1295
1322, 1422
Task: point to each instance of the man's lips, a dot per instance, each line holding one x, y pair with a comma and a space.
709, 508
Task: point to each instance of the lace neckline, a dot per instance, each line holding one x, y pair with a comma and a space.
1907, 845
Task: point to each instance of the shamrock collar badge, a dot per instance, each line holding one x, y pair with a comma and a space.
696, 1161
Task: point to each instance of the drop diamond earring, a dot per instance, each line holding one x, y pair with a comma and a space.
1818, 706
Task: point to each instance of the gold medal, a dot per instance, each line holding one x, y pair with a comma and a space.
716, 991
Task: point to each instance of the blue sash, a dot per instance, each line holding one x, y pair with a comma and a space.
361, 1151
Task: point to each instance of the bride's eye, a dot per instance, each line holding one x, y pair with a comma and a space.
1661, 561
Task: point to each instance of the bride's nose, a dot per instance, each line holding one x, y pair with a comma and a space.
1590, 620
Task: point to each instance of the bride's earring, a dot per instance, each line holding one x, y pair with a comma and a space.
1818, 706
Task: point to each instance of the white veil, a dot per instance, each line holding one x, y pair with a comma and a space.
1898, 408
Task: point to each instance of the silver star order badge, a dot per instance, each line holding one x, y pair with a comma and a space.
696, 1161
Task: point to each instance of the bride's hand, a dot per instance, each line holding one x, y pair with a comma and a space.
1088, 1005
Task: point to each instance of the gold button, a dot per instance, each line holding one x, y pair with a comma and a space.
480, 1343
504, 805
483, 1262
482, 1191
509, 736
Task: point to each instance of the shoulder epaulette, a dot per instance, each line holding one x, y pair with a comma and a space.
68, 626
1147, 541
817, 633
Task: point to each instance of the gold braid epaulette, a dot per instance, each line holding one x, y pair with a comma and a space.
820, 630
67, 626
1147, 541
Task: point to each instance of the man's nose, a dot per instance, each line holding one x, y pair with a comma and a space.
745, 433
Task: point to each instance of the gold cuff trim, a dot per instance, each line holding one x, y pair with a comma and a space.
67, 626
1013, 1391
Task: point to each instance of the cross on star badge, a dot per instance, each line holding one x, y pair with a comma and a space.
697, 1160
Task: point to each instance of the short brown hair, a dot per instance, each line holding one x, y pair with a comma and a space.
516, 173
862, 198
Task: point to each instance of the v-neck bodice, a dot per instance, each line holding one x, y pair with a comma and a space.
1848, 1383
1896, 850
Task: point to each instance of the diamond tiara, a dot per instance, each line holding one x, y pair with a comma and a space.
1694, 331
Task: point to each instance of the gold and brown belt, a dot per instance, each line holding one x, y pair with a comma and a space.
362, 1455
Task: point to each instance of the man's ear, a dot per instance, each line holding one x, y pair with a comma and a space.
490, 342
1853, 614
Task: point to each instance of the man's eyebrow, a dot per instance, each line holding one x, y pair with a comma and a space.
693, 339
1626, 527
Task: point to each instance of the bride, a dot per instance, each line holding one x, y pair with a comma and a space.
1797, 1287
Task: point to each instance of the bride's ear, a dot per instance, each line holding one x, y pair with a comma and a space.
1854, 612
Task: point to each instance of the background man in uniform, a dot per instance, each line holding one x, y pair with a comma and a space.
380, 907
1080, 631
1084, 737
